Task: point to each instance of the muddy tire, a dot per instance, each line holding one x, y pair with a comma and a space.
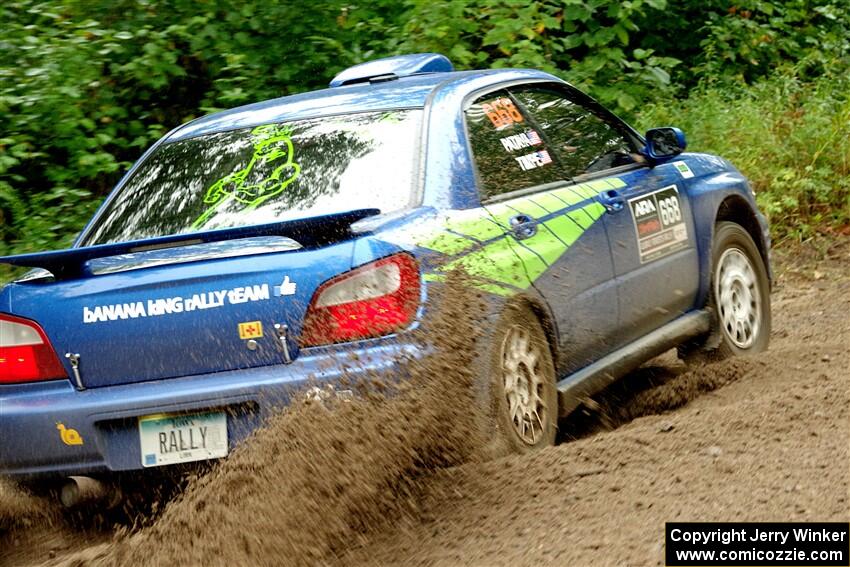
739, 299
524, 400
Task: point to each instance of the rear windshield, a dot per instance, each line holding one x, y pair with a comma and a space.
269, 173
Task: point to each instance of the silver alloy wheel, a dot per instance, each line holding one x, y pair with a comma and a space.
524, 384
738, 298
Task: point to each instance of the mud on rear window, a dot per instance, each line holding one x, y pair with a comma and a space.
269, 173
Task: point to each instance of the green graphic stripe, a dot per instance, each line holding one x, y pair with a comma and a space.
465, 234
609, 183
497, 262
449, 243
480, 228
520, 263
531, 208
495, 289
567, 230
554, 239
502, 212
506, 264
489, 287
546, 245
583, 190
548, 201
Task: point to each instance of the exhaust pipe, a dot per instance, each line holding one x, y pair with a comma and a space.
85, 491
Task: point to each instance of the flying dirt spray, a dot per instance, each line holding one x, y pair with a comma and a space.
321, 476
19, 509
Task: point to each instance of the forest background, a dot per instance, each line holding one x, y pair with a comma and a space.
87, 85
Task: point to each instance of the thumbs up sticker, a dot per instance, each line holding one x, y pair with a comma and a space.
286, 287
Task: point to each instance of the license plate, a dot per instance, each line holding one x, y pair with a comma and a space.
172, 439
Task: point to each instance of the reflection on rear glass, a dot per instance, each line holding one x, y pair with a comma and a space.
269, 173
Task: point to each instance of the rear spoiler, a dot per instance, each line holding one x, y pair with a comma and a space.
309, 233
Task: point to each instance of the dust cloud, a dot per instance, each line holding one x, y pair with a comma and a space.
322, 475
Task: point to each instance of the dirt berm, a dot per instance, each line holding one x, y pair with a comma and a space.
402, 480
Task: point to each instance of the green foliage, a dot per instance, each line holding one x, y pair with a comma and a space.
87, 85
788, 137
594, 44
753, 38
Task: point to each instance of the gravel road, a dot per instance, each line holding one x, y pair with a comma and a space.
759, 438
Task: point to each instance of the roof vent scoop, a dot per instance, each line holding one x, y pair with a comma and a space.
391, 68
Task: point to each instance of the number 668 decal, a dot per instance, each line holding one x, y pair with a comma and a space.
659, 224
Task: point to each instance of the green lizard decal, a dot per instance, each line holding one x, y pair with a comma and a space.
272, 148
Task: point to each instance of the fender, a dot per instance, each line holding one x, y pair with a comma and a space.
723, 194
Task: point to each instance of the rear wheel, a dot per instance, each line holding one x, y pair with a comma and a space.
739, 299
524, 397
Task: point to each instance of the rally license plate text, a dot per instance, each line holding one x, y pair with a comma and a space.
171, 439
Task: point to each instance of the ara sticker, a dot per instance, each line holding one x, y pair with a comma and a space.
69, 436
502, 112
251, 330
534, 160
172, 305
659, 224
683, 169
516, 142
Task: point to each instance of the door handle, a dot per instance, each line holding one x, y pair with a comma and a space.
523, 226
612, 201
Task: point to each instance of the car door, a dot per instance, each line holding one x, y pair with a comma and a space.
648, 220
655, 254
553, 227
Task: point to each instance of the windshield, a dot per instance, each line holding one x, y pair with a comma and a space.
268, 173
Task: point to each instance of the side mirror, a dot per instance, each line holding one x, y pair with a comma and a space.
664, 143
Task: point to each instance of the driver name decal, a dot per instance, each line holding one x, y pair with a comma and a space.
659, 224
534, 160
516, 142
173, 305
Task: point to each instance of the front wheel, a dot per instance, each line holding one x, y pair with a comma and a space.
739, 298
522, 378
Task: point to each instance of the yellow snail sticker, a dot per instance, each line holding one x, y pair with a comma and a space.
69, 436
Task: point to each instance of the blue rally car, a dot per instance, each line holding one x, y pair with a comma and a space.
250, 251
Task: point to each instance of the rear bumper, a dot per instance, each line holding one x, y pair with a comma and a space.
106, 418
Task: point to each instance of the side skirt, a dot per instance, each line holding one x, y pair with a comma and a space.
591, 379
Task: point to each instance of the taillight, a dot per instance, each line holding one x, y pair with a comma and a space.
374, 300
25, 352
